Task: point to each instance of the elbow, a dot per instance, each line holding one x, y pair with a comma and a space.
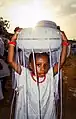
10, 61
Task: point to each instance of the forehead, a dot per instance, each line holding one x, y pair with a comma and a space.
37, 56
42, 57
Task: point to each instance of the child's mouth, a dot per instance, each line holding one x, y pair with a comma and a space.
41, 75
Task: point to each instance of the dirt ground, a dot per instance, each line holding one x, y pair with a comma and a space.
69, 88
69, 92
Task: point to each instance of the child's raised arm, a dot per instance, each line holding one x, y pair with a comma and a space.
63, 52
11, 59
64, 49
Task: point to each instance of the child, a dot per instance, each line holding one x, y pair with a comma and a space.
36, 95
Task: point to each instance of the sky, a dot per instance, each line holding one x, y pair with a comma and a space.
26, 13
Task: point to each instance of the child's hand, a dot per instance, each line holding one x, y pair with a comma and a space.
14, 38
64, 38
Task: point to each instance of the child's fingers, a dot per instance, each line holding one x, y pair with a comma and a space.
17, 32
14, 38
64, 38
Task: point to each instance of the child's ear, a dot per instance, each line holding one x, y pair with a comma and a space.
30, 66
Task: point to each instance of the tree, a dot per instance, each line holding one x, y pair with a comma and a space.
4, 25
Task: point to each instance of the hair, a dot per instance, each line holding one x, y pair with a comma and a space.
58, 27
38, 55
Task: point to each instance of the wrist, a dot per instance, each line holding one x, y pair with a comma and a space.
65, 43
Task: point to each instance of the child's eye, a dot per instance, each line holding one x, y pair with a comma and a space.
38, 65
46, 65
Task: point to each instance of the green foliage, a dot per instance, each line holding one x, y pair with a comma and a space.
4, 25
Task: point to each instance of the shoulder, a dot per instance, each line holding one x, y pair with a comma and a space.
24, 70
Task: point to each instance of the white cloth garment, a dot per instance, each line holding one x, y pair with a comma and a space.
29, 95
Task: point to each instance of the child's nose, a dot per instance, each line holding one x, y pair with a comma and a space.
43, 68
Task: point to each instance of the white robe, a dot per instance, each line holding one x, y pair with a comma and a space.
28, 97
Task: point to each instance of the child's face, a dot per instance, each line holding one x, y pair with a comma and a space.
42, 65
